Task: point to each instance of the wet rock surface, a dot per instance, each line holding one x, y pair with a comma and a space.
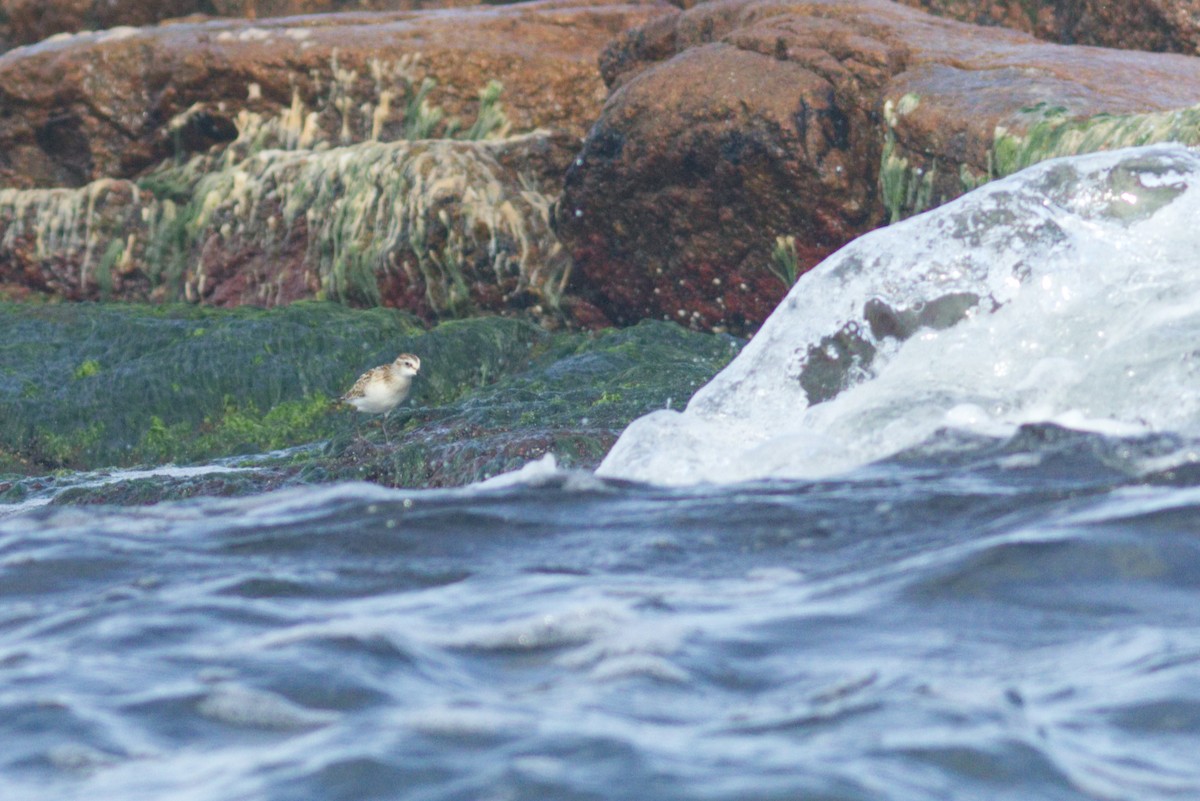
402, 159
817, 122
1171, 26
441, 228
89, 386
24, 22
116, 103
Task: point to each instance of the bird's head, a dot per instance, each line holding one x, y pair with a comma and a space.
408, 364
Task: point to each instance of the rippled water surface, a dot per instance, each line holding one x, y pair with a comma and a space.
1013, 622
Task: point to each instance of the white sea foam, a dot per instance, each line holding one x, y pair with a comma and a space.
534, 472
100, 478
251, 708
1068, 293
540, 473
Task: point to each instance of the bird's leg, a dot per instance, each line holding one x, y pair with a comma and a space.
383, 425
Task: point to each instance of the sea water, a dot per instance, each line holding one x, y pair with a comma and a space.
930, 537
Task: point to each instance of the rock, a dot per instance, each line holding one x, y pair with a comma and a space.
264, 9
88, 386
1171, 26
744, 140
294, 175
96, 385
116, 103
25, 22
573, 400
440, 228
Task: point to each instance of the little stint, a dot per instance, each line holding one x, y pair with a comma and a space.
382, 388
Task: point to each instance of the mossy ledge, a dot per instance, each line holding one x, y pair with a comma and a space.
89, 386
912, 181
1049, 132
408, 208
439, 227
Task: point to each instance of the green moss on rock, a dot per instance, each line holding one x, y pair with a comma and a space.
905, 189
572, 399
1049, 133
912, 179
181, 383
94, 385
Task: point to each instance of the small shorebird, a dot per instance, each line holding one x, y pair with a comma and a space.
382, 388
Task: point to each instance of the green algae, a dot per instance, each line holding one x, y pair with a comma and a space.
1049, 132
785, 261
904, 189
377, 101
490, 121
72, 225
572, 399
969, 180
182, 384
443, 213
909, 183
436, 209
142, 491
237, 428
89, 367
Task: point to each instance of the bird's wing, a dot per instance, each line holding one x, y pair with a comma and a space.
360, 386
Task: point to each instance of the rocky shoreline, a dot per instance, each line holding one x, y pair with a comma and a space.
336, 181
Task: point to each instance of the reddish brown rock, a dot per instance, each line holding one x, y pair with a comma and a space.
294, 172
1171, 26
265, 9
438, 227
25, 22
115, 103
739, 123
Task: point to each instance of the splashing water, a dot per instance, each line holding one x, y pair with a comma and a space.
1066, 294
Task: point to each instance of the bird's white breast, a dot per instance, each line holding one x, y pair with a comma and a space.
380, 395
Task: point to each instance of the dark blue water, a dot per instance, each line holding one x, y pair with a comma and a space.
1012, 622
